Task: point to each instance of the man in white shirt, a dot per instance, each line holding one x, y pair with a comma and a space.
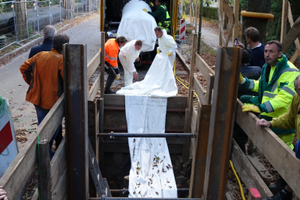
166, 44
128, 54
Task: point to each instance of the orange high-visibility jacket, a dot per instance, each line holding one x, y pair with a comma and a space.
111, 52
44, 74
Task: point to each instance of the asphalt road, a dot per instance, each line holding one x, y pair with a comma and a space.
13, 87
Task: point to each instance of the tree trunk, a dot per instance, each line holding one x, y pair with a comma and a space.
21, 20
260, 24
291, 36
187, 7
295, 5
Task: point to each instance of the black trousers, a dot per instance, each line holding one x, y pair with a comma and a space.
111, 76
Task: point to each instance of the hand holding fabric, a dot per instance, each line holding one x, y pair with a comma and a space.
158, 51
136, 76
144, 9
169, 53
151, 4
250, 108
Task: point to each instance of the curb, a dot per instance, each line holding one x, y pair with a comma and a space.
18, 50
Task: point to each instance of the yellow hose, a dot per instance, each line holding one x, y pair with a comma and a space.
237, 178
181, 81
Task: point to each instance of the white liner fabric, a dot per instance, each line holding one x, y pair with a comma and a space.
151, 173
137, 24
158, 82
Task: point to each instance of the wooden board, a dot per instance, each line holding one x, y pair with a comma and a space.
297, 43
272, 147
60, 188
200, 153
94, 89
58, 163
247, 172
200, 91
204, 68
92, 65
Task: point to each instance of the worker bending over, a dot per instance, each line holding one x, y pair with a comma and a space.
275, 89
160, 13
289, 120
166, 44
112, 47
128, 54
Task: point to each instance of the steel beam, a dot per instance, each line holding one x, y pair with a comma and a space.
125, 198
123, 128
200, 153
75, 85
221, 122
164, 135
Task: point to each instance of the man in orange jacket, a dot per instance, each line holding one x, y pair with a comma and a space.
44, 75
112, 47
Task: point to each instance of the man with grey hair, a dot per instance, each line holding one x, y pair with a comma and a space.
48, 34
289, 120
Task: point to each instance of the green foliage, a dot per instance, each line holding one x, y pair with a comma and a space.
211, 13
207, 3
243, 4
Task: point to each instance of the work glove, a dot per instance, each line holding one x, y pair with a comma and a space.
242, 79
144, 9
118, 76
158, 51
169, 53
250, 108
151, 4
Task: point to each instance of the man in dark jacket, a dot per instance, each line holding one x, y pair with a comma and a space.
160, 13
257, 48
44, 75
48, 33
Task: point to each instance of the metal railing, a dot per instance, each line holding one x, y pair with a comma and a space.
22, 20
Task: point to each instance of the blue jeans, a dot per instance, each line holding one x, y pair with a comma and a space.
297, 149
41, 113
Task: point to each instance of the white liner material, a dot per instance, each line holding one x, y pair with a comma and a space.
136, 24
158, 82
151, 173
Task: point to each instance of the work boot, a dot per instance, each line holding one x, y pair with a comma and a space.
278, 186
109, 92
282, 195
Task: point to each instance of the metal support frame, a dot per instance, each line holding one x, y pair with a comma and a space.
124, 198
221, 123
165, 135
75, 75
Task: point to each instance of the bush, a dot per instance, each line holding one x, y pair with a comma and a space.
211, 13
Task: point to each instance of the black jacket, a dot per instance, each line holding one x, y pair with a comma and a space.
46, 46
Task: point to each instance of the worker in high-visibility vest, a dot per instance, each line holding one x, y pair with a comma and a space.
275, 89
289, 120
112, 47
160, 13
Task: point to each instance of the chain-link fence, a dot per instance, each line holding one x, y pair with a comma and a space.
21, 20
